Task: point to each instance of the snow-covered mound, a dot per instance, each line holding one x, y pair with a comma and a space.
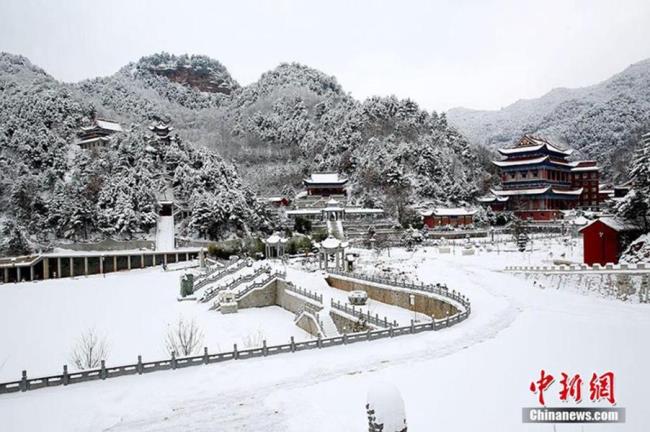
638, 251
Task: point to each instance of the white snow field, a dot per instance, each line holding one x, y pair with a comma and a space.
165, 233
474, 376
41, 321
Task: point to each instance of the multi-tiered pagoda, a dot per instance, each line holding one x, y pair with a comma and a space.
537, 181
162, 132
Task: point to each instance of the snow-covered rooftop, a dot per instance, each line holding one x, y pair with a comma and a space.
275, 239
531, 144
440, 211
109, 125
536, 191
332, 243
325, 178
617, 224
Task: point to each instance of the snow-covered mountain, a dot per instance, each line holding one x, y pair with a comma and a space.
293, 120
51, 189
603, 121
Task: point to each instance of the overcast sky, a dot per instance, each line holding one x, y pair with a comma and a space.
442, 54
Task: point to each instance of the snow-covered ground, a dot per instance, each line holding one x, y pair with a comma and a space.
40, 322
473, 376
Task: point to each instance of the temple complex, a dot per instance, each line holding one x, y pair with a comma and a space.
538, 181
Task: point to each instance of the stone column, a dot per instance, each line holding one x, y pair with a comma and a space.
141, 260
46, 268
337, 254
71, 266
165, 258
128, 262
86, 266
6, 275
114, 263
101, 264
31, 272
17, 274
58, 267
176, 256
153, 258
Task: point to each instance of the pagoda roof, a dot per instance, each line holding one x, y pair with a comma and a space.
537, 191
103, 124
101, 139
532, 161
325, 178
161, 127
493, 198
529, 143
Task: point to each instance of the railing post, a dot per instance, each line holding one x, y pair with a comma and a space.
385, 322
205, 355
293, 344
173, 360
102, 371
345, 338
23, 381
265, 350
139, 367
368, 334
66, 377
235, 352
391, 331
319, 343
412, 327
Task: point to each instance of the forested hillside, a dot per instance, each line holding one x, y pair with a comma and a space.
603, 121
51, 189
290, 122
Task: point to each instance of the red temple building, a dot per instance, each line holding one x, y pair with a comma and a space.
537, 181
436, 217
325, 184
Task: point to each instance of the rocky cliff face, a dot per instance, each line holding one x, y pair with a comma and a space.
196, 71
195, 79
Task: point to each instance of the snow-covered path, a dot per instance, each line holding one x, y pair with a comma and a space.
165, 233
470, 377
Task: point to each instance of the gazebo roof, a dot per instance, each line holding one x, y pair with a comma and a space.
275, 239
333, 243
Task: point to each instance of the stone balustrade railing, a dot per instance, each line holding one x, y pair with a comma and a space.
367, 317
202, 281
438, 289
261, 283
581, 268
107, 372
303, 292
212, 292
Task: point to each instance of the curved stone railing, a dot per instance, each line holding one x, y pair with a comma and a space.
105, 372
438, 289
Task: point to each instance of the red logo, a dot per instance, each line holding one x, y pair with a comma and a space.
600, 387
